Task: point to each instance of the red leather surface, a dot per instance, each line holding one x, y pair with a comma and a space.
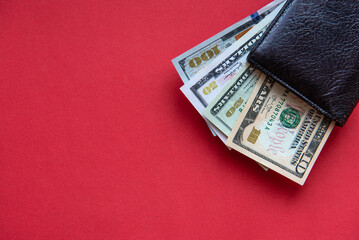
98, 142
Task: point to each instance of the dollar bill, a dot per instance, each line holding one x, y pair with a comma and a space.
195, 59
204, 87
280, 131
225, 109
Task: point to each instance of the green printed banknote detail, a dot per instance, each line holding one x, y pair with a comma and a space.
280, 131
208, 83
226, 108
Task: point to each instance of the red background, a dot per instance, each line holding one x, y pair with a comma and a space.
98, 142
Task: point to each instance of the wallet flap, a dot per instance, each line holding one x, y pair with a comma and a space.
312, 48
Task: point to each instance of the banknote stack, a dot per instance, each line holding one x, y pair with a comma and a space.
246, 109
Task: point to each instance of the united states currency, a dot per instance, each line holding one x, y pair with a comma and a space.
280, 131
195, 59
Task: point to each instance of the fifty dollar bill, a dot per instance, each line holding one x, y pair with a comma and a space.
225, 109
205, 86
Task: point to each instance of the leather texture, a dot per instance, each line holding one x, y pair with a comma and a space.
312, 48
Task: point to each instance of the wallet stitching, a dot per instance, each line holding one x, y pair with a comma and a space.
314, 105
269, 30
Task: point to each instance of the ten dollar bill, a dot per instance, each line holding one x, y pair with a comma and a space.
280, 131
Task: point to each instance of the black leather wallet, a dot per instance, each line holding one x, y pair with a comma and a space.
312, 48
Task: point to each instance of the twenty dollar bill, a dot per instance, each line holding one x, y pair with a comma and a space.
195, 59
205, 86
